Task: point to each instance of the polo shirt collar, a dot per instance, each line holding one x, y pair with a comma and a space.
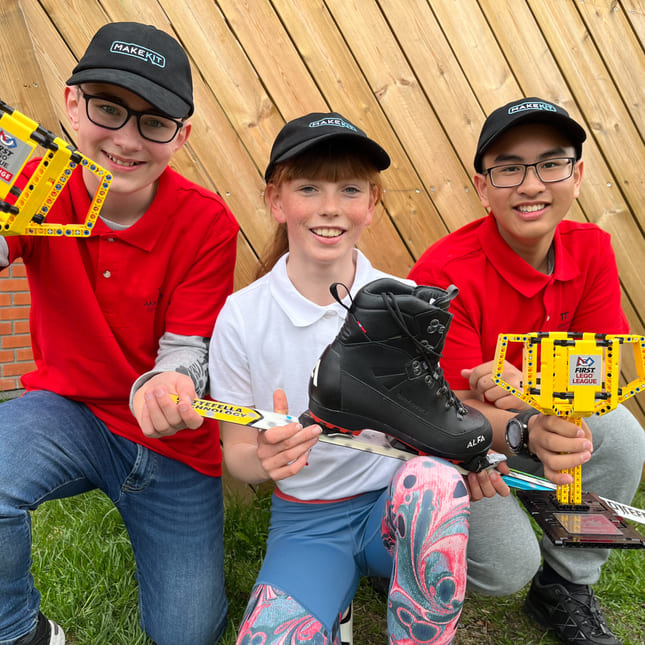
301, 311
145, 233
519, 273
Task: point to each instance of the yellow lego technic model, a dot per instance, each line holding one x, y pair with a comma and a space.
19, 137
572, 375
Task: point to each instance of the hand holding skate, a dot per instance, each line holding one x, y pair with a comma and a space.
284, 450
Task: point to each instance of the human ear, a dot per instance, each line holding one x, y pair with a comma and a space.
272, 196
578, 171
481, 185
371, 207
72, 105
182, 136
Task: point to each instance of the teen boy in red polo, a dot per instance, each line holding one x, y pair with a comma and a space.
125, 313
521, 269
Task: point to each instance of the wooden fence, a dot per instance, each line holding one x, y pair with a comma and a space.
418, 75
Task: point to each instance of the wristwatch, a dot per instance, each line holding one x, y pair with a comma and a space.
517, 433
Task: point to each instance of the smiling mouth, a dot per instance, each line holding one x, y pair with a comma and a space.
121, 162
327, 232
531, 208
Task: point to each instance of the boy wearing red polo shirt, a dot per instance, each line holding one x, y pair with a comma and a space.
120, 321
521, 269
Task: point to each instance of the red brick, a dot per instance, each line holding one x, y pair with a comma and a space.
18, 369
7, 384
14, 313
25, 354
15, 284
22, 298
11, 342
18, 270
16, 356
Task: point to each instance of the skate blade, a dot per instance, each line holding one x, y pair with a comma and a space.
393, 447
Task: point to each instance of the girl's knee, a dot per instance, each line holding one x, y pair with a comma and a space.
424, 475
427, 496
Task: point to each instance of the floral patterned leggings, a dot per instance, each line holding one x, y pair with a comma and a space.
423, 534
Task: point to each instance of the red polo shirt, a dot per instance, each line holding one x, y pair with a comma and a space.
501, 293
100, 304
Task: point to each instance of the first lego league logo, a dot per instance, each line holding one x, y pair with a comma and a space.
8, 145
585, 369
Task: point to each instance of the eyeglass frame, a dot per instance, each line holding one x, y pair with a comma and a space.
526, 166
129, 113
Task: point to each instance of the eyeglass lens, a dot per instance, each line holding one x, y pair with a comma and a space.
548, 171
114, 116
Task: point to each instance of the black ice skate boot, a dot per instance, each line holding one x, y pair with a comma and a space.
382, 372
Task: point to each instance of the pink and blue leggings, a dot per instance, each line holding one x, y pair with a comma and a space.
414, 532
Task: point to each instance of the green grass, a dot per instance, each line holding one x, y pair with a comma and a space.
84, 569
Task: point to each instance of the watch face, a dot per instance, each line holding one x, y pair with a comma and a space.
514, 434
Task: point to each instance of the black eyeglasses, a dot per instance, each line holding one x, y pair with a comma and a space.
113, 116
548, 171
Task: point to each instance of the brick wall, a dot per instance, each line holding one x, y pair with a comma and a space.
16, 357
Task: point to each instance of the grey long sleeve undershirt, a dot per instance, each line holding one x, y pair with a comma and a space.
184, 354
4, 253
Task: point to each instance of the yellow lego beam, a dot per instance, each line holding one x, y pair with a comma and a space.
19, 137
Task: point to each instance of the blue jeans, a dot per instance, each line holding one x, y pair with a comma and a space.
51, 447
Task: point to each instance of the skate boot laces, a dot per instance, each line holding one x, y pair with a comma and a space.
439, 298
434, 375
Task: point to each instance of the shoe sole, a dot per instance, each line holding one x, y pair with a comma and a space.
57, 635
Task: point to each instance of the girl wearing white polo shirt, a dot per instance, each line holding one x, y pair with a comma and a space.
337, 514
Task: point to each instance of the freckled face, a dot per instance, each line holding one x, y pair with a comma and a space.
531, 211
134, 162
324, 219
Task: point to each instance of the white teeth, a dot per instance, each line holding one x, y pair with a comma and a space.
327, 232
118, 162
530, 209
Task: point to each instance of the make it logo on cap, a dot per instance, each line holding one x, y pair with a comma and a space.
532, 105
585, 369
136, 51
334, 122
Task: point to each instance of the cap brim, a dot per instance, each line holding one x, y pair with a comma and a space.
379, 157
565, 124
159, 97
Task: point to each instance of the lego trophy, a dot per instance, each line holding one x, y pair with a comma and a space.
574, 375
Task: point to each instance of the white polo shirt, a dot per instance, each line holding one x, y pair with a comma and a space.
269, 336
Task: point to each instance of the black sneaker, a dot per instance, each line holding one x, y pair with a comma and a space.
572, 612
47, 633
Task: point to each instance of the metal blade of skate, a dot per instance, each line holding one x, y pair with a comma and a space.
264, 420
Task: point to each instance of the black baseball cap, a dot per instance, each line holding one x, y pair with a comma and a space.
142, 59
308, 131
528, 110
